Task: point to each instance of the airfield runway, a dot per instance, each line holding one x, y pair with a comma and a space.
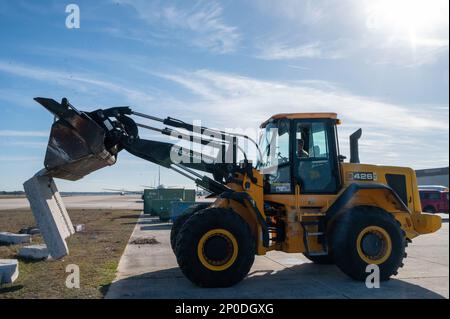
151, 271
80, 202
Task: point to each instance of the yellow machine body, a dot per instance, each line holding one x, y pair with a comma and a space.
299, 207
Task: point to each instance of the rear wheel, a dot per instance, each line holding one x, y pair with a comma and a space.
368, 235
215, 248
429, 209
179, 222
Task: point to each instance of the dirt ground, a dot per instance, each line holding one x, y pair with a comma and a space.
96, 251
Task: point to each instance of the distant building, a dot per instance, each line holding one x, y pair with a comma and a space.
432, 176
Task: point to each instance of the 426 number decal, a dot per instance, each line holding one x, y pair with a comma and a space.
362, 176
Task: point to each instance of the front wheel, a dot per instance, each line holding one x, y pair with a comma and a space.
368, 235
179, 222
215, 248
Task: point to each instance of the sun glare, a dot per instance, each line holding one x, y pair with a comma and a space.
411, 18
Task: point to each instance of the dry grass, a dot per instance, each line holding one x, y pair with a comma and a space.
96, 251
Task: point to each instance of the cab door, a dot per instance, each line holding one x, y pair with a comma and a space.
315, 156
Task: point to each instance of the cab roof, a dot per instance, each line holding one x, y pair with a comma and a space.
293, 116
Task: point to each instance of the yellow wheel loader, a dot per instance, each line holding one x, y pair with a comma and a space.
301, 196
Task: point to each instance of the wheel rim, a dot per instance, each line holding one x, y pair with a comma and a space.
374, 245
217, 249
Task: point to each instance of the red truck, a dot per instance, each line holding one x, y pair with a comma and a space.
434, 199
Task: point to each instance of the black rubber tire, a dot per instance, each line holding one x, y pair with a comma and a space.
430, 210
321, 260
179, 222
346, 230
192, 231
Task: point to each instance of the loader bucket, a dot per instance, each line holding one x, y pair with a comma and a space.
75, 148
76, 143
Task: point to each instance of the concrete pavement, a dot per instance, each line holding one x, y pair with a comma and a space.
151, 271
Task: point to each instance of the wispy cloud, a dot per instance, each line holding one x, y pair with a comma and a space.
298, 67
84, 82
284, 51
304, 95
15, 97
201, 25
412, 35
309, 12
409, 52
394, 50
15, 133
24, 144
231, 98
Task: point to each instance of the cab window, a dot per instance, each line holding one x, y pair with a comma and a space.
275, 160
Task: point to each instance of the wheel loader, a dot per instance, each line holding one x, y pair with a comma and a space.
300, 196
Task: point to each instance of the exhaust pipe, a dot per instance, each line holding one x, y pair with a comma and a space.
354, 149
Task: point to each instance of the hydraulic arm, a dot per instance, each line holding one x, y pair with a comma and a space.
82, 142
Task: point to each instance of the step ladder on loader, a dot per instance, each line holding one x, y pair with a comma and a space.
314, 229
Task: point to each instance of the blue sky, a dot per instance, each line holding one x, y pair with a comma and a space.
381, 65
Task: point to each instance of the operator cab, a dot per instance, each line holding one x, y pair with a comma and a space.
300, 149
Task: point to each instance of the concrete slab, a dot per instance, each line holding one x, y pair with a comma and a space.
14, 239
50, 213
79, 228
34, 252
30, 230
151, 271
9, 270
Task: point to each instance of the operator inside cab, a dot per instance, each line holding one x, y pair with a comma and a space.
300, 150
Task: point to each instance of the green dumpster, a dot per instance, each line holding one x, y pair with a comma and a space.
149, 195
152, 200
189, 195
